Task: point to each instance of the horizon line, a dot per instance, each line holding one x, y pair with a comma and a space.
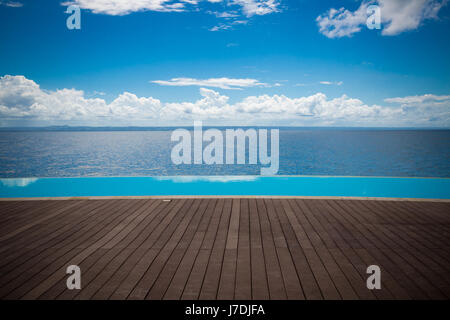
144, 128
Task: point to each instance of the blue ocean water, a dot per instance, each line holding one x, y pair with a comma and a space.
325, 152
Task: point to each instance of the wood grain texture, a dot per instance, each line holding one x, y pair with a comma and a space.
224, 248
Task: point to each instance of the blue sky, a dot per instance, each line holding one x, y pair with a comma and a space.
161, 62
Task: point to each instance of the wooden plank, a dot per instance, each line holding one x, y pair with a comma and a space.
275, 282
19, 211
35, 241
51, 275
308, 282
28, 259
346, 243
387, 259
419, 260
410, 266
139, 246
243, 289
52, 211
211, 282
239, 248
290, 279
345, 256
178, 268
437, 233
260, 287
322, 242
189, 224
168, 231
196, 278
21, 275
228, 273
390, 287
319, 270
98, 271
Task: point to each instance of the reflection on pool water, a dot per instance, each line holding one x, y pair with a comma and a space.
426, 188
19, 182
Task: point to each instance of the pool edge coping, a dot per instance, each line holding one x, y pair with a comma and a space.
223, 197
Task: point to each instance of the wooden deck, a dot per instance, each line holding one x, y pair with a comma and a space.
221, 248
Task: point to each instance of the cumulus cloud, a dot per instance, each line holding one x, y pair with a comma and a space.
222, 83
342, 22
426, 99
429, 107
21, 98
402, 16
397, 16
121, 7
258, 7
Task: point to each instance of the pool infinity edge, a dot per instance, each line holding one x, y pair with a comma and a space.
224, 186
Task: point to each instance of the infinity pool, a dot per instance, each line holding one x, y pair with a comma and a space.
426, 188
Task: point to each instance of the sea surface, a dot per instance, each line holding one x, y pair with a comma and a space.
312, 151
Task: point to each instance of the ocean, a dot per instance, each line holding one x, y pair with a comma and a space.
303, 151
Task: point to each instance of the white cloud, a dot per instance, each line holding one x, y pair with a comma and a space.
426, 99
325, 83
397, 16
23, 99
222, 83
221, 26
428, 107
257, 7
342, 22
122, 7
11, 4
402, 16
225, 15
238, 9
330, 83
18, 182
228, 25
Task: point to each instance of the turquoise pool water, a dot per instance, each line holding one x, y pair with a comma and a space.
430, 188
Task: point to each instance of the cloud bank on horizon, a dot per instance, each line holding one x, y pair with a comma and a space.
23, 99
